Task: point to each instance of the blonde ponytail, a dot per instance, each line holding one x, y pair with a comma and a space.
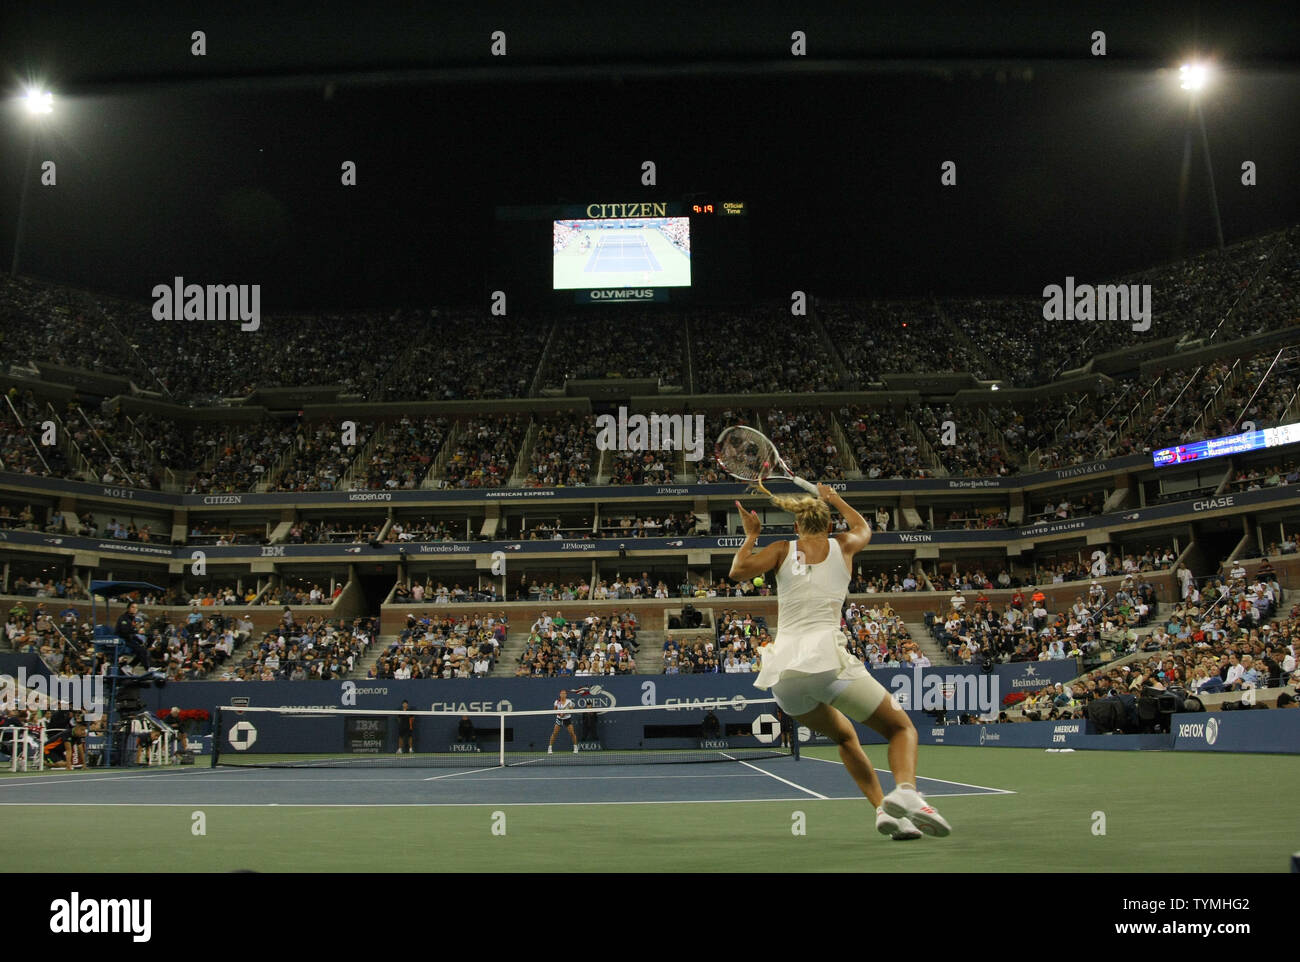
813, 515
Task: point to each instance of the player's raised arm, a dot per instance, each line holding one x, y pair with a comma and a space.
859, 534
747, 563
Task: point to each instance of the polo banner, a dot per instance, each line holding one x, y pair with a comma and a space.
1275, 730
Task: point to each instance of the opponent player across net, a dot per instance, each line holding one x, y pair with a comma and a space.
808, 667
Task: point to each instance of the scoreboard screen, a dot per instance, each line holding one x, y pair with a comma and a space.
627, 252
1242, 443
611, 252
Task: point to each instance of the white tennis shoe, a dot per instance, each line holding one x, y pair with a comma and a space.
899, 829
908, 803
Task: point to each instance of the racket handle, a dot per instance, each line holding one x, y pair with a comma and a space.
806, 485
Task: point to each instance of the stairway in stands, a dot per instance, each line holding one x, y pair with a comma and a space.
650, 659
508, 660
370, 658
921, 635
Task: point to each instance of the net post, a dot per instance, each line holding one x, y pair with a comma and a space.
216, 736
40, 751
501, 750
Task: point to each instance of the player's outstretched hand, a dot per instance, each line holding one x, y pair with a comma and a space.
750, 519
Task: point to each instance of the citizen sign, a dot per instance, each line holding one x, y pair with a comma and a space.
730, 542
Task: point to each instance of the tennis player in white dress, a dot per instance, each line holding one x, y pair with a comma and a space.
563, 719
808, 667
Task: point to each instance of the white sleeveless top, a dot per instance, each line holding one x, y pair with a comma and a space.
808, 636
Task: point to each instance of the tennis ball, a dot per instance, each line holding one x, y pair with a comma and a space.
758, 582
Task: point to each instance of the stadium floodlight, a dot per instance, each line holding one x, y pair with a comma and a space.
37, 102
1193, 76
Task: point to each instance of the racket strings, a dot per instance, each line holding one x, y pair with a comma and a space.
746, 454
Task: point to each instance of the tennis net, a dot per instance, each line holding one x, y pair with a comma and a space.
736, 730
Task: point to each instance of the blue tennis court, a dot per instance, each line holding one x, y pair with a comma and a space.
778, 779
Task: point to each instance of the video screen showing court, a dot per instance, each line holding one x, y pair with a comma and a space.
623, 252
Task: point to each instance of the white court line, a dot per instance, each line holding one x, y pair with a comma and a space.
432, 778
994, 791
670, 801
39, 779
777, 777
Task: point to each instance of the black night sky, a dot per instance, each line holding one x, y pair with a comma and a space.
230, 172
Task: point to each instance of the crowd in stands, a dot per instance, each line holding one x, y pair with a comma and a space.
237, 456
806, 441
973, 518
46, 588
564, 452
448, 646
114, 452
21, 451
872, 582
976, 449
753, 351
302, 595
1225, 636
1076, 568
642, 344
882, 447
648, 526
736, 647
423, 529
458, 356
877, 338
429, 592
326, 531
320, 458
594, 645
554, 530
644, 467
877, 636
402, 457
317, 650
454, 354
1259, 476
484, 452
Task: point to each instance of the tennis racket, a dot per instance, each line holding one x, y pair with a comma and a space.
747, 454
